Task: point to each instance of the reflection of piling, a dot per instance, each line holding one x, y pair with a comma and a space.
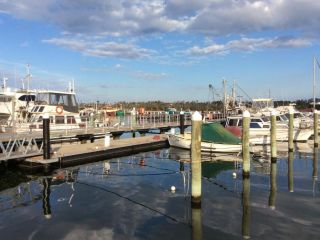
273, 184
246, 207
245, 143
181, 167
315, 164
290, 171
46, 198
182, 122
273, 135
290, 134
196, 160
196, 223
315, 128
46, 136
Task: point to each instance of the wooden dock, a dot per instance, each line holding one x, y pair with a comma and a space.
70, 154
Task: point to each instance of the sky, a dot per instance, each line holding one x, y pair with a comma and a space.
167, 50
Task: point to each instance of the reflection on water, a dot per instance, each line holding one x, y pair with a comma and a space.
131, 198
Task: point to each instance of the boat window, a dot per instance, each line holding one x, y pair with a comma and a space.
36, 109
297, 115
233, 122
40, 119
51, 119
256, 120
27, 98
255, 125
240, 123
71, 120
5, 99
278, 118
59, 119
265, 119
41, 109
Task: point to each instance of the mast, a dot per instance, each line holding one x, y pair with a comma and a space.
234, 94
224, 97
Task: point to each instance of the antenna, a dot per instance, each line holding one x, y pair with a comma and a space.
28, 77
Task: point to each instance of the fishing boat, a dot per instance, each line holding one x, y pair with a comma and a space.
214, 139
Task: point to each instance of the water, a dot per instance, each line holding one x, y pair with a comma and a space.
130, 198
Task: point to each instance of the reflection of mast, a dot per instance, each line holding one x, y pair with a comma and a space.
246, 207
46, 197
290, 172
273, 184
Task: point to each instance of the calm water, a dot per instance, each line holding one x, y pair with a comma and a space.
130, 198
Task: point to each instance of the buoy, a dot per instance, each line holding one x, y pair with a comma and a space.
234, 175
173, 188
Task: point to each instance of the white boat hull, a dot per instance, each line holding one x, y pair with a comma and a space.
184, 141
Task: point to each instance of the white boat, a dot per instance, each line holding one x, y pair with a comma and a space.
260, 129
214, 139
14, 104
61, 107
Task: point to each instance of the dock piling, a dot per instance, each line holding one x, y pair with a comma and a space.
182, 122
290, 133
273, 184
245, 143
246, 207
46, 136
196, 160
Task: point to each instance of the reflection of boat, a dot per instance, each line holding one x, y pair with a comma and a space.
212, 169
214, 139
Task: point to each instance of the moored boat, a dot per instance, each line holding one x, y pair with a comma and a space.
214, 139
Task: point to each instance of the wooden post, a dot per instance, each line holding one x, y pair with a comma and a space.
315, 127
273, 184
290, 134
273, 136
46, 136
245, 143
245, 207
182, 122
290, 172
196, 160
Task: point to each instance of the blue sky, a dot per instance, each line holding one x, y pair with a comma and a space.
169, 50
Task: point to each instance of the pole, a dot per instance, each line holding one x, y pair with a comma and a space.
290, 134
273, 135
315, 127
182, 122
245, 143
314, 83
46, 136
196, 160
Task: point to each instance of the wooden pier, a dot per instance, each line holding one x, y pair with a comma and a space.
64, 155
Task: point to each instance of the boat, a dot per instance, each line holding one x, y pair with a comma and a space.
260, 130
60, 106
14, 104
214, 139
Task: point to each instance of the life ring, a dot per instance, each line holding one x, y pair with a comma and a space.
59, 109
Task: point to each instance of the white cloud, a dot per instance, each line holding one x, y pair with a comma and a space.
139, 17
102, 49
150, 76
249, 45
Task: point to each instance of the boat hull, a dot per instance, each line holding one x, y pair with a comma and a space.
184, 141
